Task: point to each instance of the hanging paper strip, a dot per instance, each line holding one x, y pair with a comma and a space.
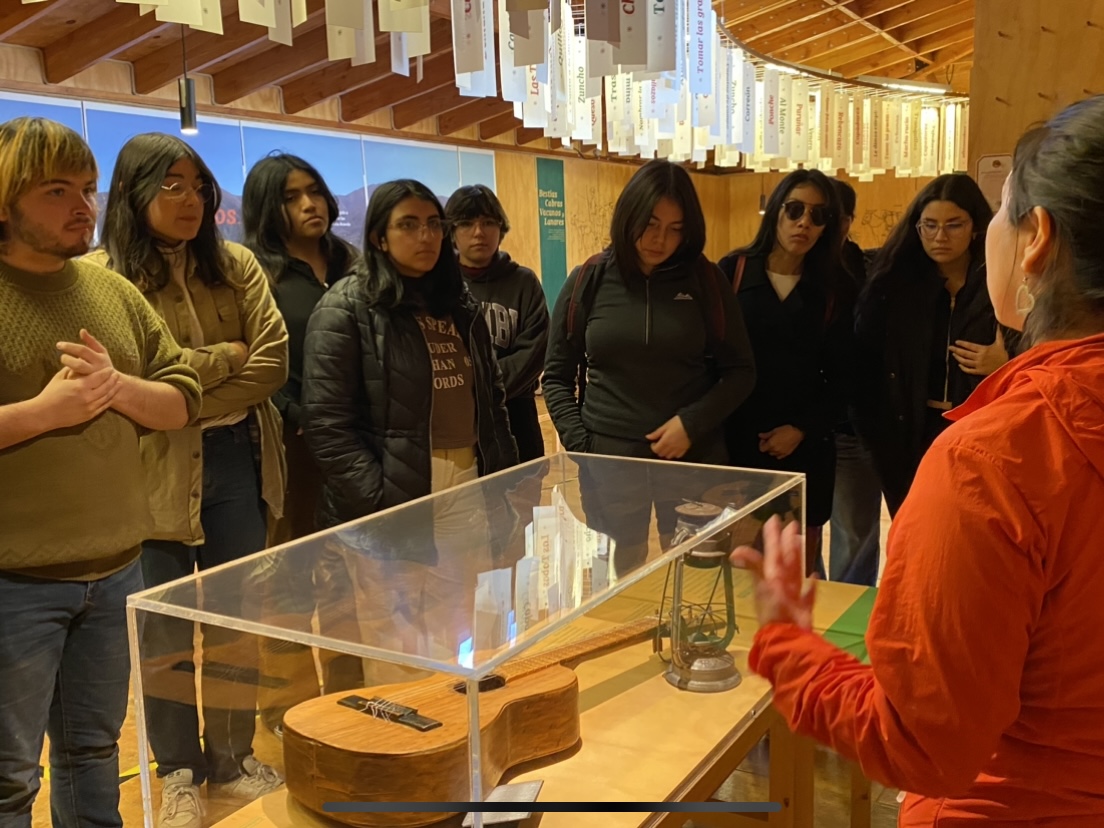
950, 131
340, 43
400, 57
877, 142
467, 35
890, 117
602, 21
531, 50
929, 146
799, 119
701, 39
582, 103
827, 120
961, 147
722, 92
536, 100
841, 133
600, 62
747, 107
483, 83
558, 126
417, 41
281, 32
904, 134
734, 120
858, 139
661, 35
915, 138
770, 112
631, 53
512, 75
812, 144
257, 12
785, 115
681, 33
186, 12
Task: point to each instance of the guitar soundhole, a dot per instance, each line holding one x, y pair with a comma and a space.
491, 682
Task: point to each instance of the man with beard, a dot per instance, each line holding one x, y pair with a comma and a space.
85, 367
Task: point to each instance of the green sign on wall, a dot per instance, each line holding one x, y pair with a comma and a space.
553, 226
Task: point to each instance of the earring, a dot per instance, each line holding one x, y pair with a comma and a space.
1025, 299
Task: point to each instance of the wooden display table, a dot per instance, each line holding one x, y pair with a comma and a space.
645, 741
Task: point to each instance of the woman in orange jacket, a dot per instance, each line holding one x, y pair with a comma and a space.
984, 696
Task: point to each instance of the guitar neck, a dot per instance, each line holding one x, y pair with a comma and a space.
589, 647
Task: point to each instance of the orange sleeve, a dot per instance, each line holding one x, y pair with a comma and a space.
948, 637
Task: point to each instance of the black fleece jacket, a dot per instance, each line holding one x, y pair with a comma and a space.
517, 316
647, 357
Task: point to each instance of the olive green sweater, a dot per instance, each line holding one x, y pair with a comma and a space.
73, 502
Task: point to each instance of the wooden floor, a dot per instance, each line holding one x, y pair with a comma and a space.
749, 782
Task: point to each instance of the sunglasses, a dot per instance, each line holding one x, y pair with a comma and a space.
818, 213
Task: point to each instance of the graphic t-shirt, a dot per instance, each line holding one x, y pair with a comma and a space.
453, 423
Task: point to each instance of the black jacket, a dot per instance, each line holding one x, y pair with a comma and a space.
896, 339
296, 292
647, 358
803, 351
517, 317
367, 394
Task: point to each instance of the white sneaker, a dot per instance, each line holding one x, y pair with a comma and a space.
180, 803
256, 780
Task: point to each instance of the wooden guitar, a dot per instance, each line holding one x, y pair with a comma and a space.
409, 742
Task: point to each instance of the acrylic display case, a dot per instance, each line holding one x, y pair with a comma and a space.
427, 653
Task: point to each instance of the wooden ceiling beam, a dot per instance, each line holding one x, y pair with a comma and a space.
271, 66
499, 125
434, 102
204, 49
481, 109
944, 58
826, 22
951, 16
737, 12
20, 17
437, 73
925, 46
911, 12
101, 39
340, 77
802, 11
890, 39
527, 135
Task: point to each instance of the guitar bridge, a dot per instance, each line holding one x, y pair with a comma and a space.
391, 711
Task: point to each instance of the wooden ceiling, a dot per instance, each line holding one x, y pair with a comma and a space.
930, 40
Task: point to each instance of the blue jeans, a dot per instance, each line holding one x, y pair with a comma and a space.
856, 514
233, 519
64, 670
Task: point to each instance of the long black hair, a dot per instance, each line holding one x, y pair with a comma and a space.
265, 220
140, 170
903, 254
440, 288
1057, 167
655, 180
822, 265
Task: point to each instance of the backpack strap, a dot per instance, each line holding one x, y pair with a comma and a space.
581, 296
738, 276
711, 301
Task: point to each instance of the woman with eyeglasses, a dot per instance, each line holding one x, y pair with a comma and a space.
797, 299
401, 392
402, 398
214, 485
925, 327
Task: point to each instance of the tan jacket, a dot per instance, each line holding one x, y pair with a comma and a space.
242, 310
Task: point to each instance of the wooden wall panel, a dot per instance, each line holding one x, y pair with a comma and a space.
1031, 58
516, 185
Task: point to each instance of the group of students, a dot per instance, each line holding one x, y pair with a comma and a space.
212, 397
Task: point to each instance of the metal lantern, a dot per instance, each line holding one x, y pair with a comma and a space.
700, 632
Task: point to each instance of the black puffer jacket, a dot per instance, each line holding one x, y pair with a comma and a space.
367, 395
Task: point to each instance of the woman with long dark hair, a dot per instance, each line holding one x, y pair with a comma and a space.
401, 398
798, 300
925, 327
648, 329
288, 214
214, 485
983, 653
